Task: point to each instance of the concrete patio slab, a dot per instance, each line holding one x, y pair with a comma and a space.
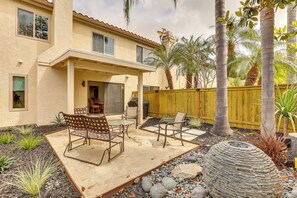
142, 154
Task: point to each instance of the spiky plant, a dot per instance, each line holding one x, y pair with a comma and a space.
30, 142
195, 122
5, 162
31, 178
24, 130
286, 107
6, 138
58, 120
273, 146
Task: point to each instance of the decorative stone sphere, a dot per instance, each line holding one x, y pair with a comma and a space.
239, 169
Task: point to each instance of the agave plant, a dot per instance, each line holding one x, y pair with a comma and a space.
58, 121
286, 107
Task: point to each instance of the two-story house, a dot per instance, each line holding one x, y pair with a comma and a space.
53, 59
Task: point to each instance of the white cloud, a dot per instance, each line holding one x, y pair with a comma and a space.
192, 17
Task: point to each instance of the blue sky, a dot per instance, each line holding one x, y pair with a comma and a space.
192, 17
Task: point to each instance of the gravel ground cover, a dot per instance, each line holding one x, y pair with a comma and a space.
195, 187
57, 185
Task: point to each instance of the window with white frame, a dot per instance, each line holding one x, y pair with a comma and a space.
103, 44
32, 25
143, 55
18, 92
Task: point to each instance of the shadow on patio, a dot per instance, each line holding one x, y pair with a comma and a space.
143, 153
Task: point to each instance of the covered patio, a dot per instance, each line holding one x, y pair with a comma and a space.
75, 61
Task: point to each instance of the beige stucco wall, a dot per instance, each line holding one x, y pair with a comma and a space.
47, 87
12, 49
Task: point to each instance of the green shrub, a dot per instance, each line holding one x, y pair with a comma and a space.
195, 122
6, 138
58, 120
24, 131
5, 162
31, 178
30, 142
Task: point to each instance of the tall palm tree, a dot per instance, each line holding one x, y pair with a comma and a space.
291, 16
221, 124
166, 60
267, 42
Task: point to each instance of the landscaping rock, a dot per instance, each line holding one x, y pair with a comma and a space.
168, 183
146, 184
294, 192
198, 192
186, 171
158, 191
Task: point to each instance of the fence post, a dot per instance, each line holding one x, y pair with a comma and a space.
157, 103
198, 103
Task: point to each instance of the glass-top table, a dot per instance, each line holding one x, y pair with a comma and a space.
122, 124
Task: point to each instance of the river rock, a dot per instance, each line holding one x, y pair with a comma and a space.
168, 183
198, 192
158, 191
146, 184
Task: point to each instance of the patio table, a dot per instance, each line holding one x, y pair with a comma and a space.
122, 124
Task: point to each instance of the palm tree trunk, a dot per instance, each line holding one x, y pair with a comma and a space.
196, 77
221, 124
231, 57
189, 81
267, 93
169, 78
252, 76
291, 16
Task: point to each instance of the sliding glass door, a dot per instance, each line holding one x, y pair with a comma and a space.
113, 98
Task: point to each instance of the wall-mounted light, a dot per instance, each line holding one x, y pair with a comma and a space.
20, 61
83, 83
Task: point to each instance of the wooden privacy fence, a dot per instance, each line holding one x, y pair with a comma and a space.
244, 104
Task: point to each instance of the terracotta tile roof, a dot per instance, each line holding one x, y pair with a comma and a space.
108, 27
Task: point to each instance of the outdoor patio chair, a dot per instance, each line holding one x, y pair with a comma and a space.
91, 128
98, 129
76, 127
172, 124
81, 111
131, 113
92, 107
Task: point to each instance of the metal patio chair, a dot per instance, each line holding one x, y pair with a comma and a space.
172, 124
81, 111
131, 113
87, 128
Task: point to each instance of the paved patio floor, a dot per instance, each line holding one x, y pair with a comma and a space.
142, 154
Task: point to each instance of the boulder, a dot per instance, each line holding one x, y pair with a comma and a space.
158, 191
186, 171
146, 184
198, 192
168, 183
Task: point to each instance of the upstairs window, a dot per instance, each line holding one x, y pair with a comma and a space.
32, 25
103, 44
143, 55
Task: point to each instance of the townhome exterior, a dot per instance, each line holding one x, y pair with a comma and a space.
52, 57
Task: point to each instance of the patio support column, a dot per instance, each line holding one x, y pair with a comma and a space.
70, 86
140, 98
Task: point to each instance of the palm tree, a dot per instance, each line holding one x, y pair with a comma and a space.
166, 60
221, 124
267, 42
238, 38
291, 16
189, 51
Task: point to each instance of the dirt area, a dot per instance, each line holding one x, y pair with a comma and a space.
58, 184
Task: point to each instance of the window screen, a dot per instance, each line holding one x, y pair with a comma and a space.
18, 91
